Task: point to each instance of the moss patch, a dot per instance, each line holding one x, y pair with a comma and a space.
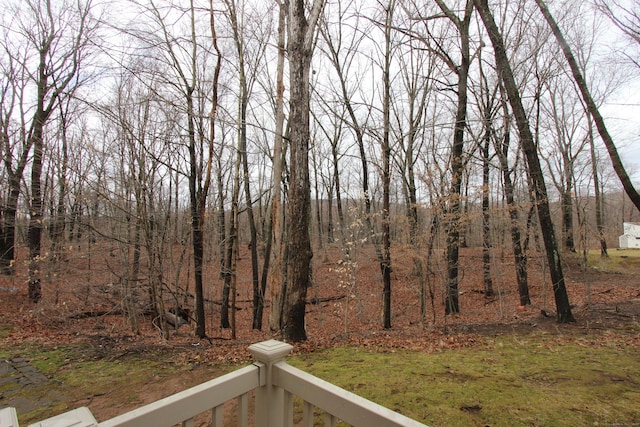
618, 261
5, 330
515, 380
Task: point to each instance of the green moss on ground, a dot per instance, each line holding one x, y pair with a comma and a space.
5, 330
514, 381
618, 261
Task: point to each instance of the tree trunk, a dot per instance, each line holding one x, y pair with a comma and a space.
243, 100
336, 180
36, 217
10, 209
359, 131
228, 270
567, 216
277, 280
199, 184
486, 216
8, 231
539, 189
59, 222
228, 294
385, 263
455, 223
519, 254
55, 78
487, 102
318, 201
330, 226
298, 212
597, 191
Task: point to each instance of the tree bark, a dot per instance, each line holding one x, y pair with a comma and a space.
199, 175
300, 49
277, 280
385, 263
486, 216
35, 209
59, 62
59, 57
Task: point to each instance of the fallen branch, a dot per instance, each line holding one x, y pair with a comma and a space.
95, 313
317, 300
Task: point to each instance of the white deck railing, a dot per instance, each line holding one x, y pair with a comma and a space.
275, 384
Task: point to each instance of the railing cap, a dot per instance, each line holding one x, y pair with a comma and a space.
270, 351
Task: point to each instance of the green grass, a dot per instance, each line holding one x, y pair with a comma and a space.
5, 331
618, 261
515, 381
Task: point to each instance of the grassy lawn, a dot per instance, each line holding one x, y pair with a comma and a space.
619, 260
514, 381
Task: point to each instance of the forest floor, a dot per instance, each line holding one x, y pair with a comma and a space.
81, 306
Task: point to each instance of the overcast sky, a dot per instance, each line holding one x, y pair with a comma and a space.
622, 114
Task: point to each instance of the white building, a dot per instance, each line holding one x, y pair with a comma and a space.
631, 236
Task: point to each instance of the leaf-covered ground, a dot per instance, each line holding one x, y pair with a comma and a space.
81, 312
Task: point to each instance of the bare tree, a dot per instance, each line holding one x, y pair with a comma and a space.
487, 100
15, 154
180, 54
385, 262
333, 132
597, 190
277, 279
417, 71
247, 71
568, 144
592, 108
46, 46
342, 49
502, 143
537, 183
457, 152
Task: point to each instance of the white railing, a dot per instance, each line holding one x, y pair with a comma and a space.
275, 385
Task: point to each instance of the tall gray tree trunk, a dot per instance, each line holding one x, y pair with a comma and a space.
385, 263
537, 183
36, 218
276, 280
300, 48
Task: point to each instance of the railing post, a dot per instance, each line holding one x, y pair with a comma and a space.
269, 398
